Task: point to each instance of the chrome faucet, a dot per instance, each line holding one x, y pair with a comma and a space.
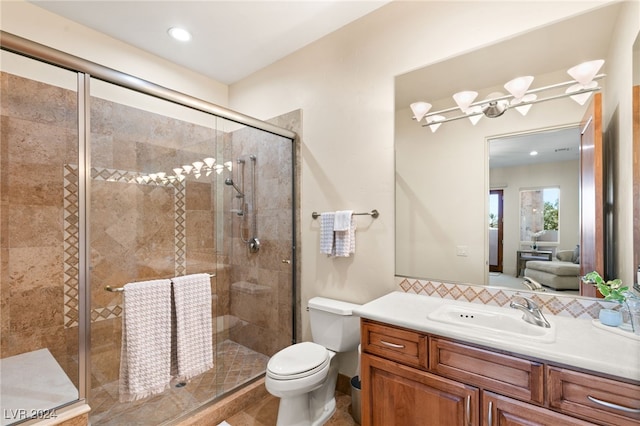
531, 312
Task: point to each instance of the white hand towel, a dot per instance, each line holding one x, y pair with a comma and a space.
342, 220
345, 241
194, 345
326, 233
145, 361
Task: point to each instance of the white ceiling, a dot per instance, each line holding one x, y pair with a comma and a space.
231, 39
551, 145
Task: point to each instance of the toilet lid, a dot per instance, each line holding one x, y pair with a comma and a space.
299, 360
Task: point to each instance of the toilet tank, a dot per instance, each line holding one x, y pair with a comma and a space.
333, 325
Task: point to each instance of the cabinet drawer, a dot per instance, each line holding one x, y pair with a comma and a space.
399, 345
593, 398
508, 375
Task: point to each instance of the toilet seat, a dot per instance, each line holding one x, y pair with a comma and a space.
298, 361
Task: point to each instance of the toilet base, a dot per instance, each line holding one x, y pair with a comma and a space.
295, 412
314, 408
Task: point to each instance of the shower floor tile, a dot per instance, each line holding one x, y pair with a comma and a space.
234, 365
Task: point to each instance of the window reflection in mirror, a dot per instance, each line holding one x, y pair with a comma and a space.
539, 213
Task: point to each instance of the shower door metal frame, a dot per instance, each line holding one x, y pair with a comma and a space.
85, 71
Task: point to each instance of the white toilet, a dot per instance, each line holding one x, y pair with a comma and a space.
304, 375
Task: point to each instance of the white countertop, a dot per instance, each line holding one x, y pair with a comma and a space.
578, 342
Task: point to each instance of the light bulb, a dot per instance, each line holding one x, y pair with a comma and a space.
420, 109
519, 86
434, 120
477, 110
581, 98
585, 72
464, 99
179, 34
524, 109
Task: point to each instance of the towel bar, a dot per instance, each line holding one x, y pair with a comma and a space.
373, 213
121, 289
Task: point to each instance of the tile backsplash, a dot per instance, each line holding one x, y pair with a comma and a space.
553, 303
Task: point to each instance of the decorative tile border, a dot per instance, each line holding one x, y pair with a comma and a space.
552, 303
71, 236
70, 245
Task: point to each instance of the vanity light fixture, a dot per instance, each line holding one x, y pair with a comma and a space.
179, 34
520, 97
533, 153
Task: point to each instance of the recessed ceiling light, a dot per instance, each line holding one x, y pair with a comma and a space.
179, 34
533, 153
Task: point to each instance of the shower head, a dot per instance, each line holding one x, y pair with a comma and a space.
230, 182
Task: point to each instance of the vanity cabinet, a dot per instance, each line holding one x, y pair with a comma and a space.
414, 378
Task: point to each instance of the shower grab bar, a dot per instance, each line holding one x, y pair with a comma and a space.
121, 289
373, 213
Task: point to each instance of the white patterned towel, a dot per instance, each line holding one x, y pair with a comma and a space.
342, 221
326, 233
345, 241
194, 343
145, 361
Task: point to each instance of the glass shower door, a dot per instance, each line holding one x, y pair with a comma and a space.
152, 216
39, 273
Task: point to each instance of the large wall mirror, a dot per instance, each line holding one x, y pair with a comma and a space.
452, 182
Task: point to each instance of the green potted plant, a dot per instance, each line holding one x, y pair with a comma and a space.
611, 290
615, 291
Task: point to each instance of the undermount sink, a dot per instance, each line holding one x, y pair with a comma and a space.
503, 321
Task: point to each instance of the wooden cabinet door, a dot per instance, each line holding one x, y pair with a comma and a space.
498, 410
397, 395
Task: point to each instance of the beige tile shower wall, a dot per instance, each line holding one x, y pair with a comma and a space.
38, 137
261, 282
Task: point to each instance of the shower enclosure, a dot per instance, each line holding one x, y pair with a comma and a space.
106, 182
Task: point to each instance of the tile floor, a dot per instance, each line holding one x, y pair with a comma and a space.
235, 364
265, 413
